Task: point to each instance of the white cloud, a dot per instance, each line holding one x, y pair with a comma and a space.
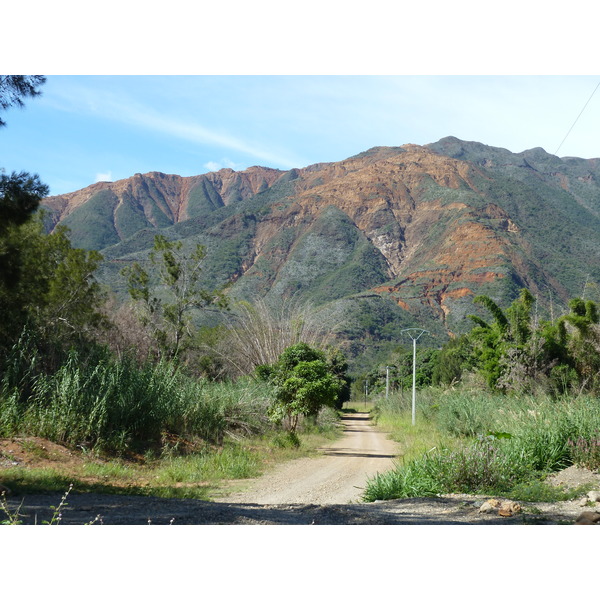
224, 163
127, 110
104, 176
200, 135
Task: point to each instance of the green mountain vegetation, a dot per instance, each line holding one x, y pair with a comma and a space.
429, 228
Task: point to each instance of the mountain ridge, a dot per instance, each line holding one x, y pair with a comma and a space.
416, 230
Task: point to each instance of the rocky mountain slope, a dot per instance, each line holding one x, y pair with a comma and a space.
389, 238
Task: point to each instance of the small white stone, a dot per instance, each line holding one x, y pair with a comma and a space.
489, 506
594, 496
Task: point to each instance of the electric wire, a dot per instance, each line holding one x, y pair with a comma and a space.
577, 119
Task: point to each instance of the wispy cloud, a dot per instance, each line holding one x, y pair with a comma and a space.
196, 133
224, 163
132, 112
104, 176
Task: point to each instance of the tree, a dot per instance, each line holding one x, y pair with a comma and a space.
304, 383
178, 276
519, 352
451, 361
20, 196
581, 333
51, 288
338, 365
13, 88
46, 285
20, 193
257, 333
504, 343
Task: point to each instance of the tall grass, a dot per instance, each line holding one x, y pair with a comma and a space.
394, 416
497, 443
540, 428
99, 401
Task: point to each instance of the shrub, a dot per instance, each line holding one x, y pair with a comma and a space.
304, 383
419, 477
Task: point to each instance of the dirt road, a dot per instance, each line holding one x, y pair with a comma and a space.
338, 477
316, 491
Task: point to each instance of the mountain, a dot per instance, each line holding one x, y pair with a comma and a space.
390, 238
106, 213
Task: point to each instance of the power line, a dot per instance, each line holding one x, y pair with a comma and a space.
584, 107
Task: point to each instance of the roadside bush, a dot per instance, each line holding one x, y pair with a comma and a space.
304, 383
480, 467
416, 478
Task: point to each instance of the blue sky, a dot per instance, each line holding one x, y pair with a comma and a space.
196, 87
88, 128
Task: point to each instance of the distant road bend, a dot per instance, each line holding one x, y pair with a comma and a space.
338, 477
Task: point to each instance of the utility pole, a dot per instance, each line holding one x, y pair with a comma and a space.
387, 382
414, 333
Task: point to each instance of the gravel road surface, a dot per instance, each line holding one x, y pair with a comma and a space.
338, 477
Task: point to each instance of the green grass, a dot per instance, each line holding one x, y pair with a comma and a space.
111, 471
413, 440
538, 491
229, 462
115, 405
476, 443
203, 473
41, 481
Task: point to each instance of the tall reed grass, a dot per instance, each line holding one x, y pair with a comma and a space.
99, 401
501, 442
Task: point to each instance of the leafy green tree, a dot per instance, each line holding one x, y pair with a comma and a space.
20, 193
488, 339
338, 365
47, 287
400, 364
582, 332
178, 275
517, 352
20, 196
451, 361
503, 344
52, 288
304, 382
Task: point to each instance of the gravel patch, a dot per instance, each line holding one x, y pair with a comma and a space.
453, 509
